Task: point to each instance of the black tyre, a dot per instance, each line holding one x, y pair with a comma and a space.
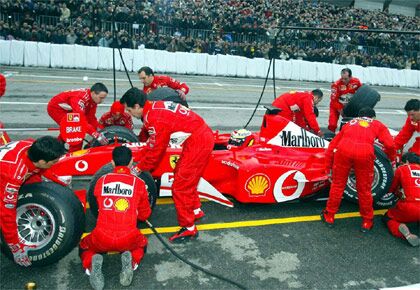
365, 96
387, 201
145, 176
122, 134
51, 219
382, 179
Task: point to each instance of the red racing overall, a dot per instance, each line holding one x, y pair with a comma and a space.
298, 107
353, 148
122, 200
165, 81
161, 119
15, 169
407, 209
339, 89
410, 128
125, 120
77, 101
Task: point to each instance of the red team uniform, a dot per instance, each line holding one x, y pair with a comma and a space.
410, 128
338, 91
353, 148
2, 85
407, 209
15, 169
76, 101
165, 81
161, 119
299, 108
116, 117
122, 200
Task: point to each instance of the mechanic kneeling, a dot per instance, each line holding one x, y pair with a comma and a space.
122, 200
353, 147
406, 185
116, 116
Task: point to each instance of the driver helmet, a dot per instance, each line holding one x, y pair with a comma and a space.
241, 138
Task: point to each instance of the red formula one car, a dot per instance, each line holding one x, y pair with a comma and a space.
282, 162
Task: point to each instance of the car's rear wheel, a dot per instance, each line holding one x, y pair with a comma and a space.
50, 220
382, 179
365, 96
116, 133
145, 176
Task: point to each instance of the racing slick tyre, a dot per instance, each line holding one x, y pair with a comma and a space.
387, 201
122, 134
365, 96
107, 168
50, 221
382, 178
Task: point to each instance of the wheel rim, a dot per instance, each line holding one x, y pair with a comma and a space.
351, 181
36, 225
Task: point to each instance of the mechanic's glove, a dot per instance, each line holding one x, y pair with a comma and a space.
135, 170
20, 254
181, 94
100, 137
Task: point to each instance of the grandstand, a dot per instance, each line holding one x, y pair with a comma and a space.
226, 27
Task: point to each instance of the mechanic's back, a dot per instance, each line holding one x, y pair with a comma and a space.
122, 200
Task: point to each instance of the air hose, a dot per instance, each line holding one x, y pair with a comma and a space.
195, 266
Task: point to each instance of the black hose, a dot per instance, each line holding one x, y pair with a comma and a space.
195, 266
125, 68
262, 93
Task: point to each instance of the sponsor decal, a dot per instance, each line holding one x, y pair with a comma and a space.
173, 159
415, 173
230, 163
73, 117
135, 145
117, 189
363, 123
296, 183
290, 163
79, 153
81, 105
81, 165
122, 204
294, 136
417, 182
108, 203
11, 193
170, 106
9, 205
257, 185
12, 188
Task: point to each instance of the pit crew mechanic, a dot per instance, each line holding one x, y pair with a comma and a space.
161, 119
353, 148
341, 92
122, 200
116, 116
83, 101
298, 107
152, 82
411, 127
20, 162
405, 185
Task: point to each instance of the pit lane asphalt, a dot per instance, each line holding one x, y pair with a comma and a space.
286, 254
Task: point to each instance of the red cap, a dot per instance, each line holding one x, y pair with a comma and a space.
117, 107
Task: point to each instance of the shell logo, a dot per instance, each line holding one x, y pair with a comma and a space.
364, 123
122, 204
79, 153
258, 184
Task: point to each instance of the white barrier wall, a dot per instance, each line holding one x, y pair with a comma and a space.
27, 53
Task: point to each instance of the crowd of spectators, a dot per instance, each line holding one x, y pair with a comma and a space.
239, 27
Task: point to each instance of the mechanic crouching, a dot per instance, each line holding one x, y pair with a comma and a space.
353, 147
116, 116
19, 162
298, 107
83, 101
122, 200
405, 185
160, 120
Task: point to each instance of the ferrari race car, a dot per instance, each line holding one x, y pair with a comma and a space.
281, 162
